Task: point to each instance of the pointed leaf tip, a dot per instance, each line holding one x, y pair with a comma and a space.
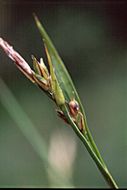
62, 75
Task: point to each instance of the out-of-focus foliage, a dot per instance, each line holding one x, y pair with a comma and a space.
92, 40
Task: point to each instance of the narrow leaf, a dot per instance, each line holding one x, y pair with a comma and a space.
65, 81
56, 89
62, 74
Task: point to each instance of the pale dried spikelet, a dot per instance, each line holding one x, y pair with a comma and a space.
16, 57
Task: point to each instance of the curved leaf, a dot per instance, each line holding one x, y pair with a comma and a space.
70, 92
61, 72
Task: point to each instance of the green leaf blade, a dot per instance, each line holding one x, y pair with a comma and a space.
66, 83
60, 70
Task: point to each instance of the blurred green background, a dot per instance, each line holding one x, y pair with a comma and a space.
91, 38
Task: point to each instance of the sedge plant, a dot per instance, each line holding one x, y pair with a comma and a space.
58, 86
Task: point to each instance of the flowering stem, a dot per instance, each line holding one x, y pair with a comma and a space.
61, 90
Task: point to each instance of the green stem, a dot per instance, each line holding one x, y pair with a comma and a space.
99, 162
95, 149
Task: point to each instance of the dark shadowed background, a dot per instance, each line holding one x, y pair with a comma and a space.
91, 38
